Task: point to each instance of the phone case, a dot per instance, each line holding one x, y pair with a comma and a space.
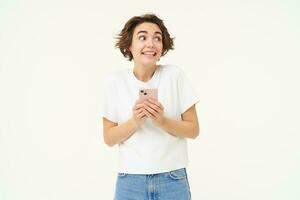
147, 93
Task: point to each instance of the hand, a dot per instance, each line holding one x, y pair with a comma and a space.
154, 110
138, 114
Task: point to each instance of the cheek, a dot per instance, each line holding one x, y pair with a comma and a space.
160, 46
137, 47
161, 49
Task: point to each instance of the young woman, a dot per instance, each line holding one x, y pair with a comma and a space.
151, 133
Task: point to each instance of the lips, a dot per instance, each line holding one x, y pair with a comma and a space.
149, 53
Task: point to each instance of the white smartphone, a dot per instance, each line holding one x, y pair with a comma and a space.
145, 94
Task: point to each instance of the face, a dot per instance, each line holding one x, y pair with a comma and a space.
146, 46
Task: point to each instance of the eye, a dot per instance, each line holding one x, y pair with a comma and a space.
157, 38
142, 37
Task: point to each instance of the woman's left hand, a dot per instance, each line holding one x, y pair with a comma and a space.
154, 110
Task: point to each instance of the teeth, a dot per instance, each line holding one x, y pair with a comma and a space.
149, 53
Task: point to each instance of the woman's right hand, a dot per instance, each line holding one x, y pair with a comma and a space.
138, 114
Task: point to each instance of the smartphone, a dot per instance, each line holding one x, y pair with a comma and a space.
145, 94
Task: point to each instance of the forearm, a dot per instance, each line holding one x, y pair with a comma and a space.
180, 128
121, 132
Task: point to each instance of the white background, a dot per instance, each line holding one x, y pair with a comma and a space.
241, 56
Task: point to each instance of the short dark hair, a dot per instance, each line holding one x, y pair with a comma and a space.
124, 38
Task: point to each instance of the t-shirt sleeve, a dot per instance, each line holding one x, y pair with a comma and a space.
187, 95
109, 107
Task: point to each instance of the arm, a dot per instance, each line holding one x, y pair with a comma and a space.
187, 127
114, 133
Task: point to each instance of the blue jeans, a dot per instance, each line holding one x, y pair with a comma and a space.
171, 185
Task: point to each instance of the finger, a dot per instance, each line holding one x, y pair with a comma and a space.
137, 112
154, 101
141, 115
139, 101
148, 113
158, 109
161, 106
140, 110
151, 108
137, 106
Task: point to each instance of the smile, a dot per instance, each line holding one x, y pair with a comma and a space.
150, 53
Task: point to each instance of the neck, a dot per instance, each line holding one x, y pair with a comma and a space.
144, 73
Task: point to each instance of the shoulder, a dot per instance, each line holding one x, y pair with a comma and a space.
115, 76
170, 68
173, 70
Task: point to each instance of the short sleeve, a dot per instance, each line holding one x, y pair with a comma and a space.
187, 95
109, 108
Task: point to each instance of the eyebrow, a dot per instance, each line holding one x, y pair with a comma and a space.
157, 32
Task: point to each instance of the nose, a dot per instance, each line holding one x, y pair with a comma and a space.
150, 43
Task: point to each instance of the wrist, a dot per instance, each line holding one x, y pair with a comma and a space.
134, 124
162, 122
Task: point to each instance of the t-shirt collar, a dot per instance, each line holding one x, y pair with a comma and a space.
153, 82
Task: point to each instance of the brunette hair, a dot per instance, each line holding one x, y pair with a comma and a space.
124, 38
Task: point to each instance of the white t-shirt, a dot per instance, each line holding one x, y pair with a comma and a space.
150, 149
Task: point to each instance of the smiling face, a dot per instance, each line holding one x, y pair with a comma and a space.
146, 46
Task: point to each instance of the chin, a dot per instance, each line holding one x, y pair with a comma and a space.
149, 63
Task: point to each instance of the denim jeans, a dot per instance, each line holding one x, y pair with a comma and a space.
171, 185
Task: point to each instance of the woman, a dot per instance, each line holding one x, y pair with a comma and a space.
151, 134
